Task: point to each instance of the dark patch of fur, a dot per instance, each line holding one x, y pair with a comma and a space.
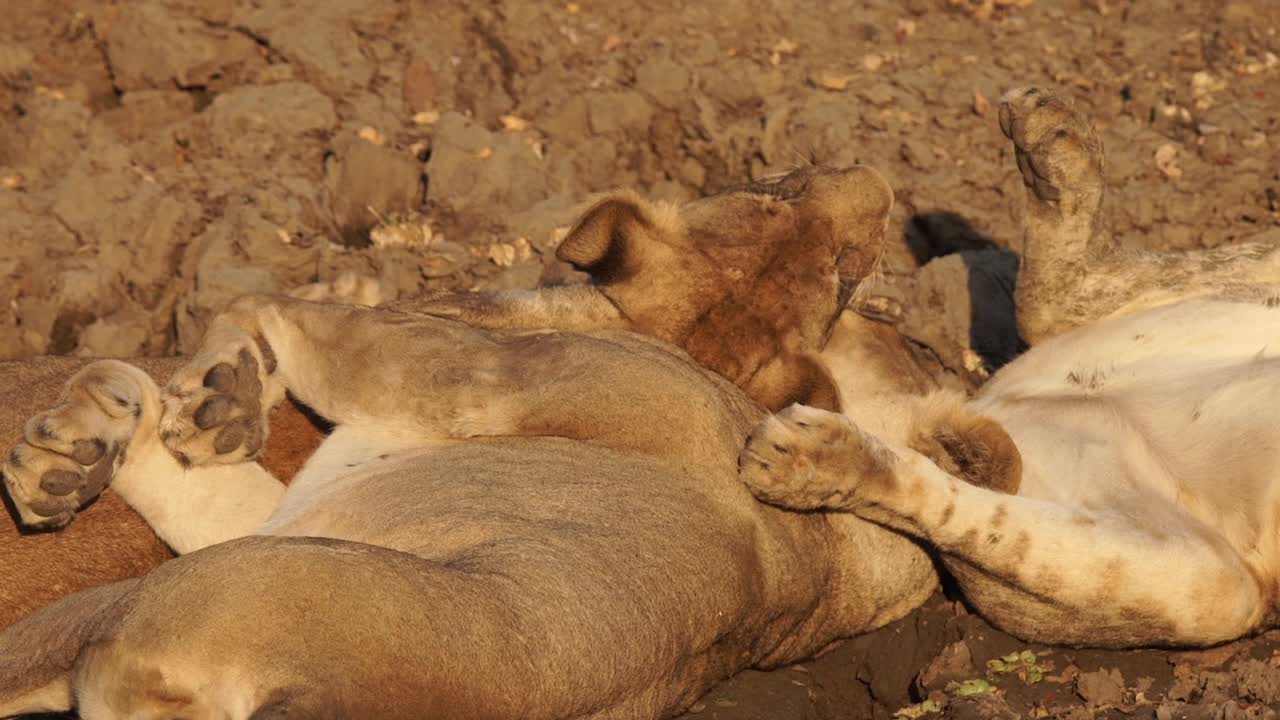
975, 449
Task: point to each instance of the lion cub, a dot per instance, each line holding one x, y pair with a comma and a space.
1141, 497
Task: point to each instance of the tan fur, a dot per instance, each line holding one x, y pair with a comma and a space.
616, 546
1071, 273
1099, 484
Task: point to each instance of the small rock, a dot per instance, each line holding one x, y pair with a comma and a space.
121, 335
142, 112
418, 87
619, 112
879, 95
828, 80
1101, 687
663, 79
371, 183
445, 259
917, 154
152, 46
955, 662
1258, 681
251, 120
15, 60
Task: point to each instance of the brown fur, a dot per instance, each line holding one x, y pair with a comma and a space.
747, 282
974, 448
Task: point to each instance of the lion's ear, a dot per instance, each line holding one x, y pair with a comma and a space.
597, 243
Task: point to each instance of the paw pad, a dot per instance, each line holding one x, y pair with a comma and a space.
69, 453
1058, 152
214, 410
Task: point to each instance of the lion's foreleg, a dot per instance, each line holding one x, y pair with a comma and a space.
1042, 570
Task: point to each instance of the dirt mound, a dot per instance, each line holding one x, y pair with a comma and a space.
162, 156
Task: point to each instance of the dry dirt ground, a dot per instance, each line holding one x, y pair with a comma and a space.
158, 157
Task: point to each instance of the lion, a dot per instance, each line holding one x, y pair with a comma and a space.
1118, 484
529, 505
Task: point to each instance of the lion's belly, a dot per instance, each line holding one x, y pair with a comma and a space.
601, 534
1165, 412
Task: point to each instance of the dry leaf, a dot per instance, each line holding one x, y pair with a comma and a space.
984, 9
828, 81
11, 182
904, 29
974, 363
406, 234
785, 46
426, 117
872, 62
514, 123
371, 134
981, 106
508, 254
1167, 161
781, 48
502, 255
524, 248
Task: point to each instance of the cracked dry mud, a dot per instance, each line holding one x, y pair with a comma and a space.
160, 157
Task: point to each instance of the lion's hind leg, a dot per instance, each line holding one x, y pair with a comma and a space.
349, 364
1042, 570
37, 653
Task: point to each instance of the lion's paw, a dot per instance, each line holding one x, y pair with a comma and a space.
806, 459
70, 452
1058, 152
215, 409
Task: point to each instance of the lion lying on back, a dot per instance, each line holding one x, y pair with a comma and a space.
1141, 504
493, 503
